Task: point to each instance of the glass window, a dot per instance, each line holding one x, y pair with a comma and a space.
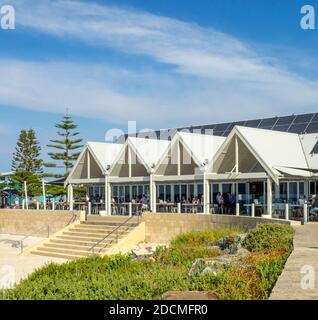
183, 192
292, 192
176, 189
301, 190
147, 191
191, 191
226, 187
134, 192
168, 192
215, 191
127, 194
312, 187
115, 191
161, 192
283, 191
140, 191
200, 191
121, 197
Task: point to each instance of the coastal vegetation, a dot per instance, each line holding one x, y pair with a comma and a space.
254, 274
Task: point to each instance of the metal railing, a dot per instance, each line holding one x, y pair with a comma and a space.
34, 234
47, 227
116, 231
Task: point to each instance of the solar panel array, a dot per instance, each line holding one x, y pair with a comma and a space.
303, 123
300, 124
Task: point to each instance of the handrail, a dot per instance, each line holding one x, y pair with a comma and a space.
34, 233
42, 227
118, 227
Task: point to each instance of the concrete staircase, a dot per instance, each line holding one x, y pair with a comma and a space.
77, 240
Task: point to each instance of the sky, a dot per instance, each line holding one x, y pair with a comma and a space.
161, 63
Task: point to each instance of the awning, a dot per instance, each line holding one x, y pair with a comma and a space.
293, 172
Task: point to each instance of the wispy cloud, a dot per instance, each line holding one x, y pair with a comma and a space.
210, 75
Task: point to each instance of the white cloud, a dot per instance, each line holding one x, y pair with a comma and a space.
211, 75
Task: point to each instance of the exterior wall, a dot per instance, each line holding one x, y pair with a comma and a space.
162, 227
136, 236
26, 222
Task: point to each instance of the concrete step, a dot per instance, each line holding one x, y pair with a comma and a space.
81, 253
79, 243
98, 231
76, 247
79, 238
55, 255
95, 235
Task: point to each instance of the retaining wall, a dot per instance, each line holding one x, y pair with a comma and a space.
162, 227
24, 222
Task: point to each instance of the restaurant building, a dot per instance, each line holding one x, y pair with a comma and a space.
265, 167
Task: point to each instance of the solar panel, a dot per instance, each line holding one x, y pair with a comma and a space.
269, 122
283, 128
285, 120
222, 126
298, 128
312, 128
253, 123
303, 123
315, 118
218, 133
303, 118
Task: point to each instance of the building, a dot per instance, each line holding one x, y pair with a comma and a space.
258, 166
6, 195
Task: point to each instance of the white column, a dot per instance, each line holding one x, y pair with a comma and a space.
71, 199
154, 188
237, 208
253, 209
236, 155
305, 212
106, 194
26, 195
153, 193
109, 199
88, 165
277, 190
179, 159
44, 196
129, 161
269, 197
206, 195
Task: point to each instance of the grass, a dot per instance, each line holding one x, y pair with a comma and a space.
120, 277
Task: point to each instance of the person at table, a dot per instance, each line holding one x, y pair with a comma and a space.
220, 202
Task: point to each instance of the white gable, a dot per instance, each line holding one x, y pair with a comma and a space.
202, 147
105, 153
150, 151
276, 149
310, 147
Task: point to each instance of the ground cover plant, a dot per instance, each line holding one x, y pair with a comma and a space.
123, 277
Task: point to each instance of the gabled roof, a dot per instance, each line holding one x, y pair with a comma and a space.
310, 146
278, 152
150, 151
105, 153
202, 147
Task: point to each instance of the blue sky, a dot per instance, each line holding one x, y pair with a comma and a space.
162, 63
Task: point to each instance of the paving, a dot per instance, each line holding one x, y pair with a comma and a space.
298, 281
14, 267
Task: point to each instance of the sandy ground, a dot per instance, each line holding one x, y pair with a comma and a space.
14, 267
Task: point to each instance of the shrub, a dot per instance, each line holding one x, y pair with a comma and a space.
269, 237
120, 277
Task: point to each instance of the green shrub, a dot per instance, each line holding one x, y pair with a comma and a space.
270, 236
121, 277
